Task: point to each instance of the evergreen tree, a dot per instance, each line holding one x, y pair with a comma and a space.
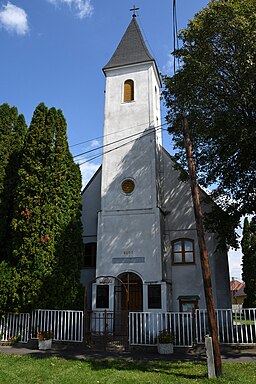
30, 255
44, 253
63, 287
12, 134
249, 262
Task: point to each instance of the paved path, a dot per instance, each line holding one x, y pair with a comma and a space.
245, 355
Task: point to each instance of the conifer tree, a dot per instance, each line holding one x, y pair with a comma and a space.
47, 206
12, 134
63, 287
249, 262
30, 255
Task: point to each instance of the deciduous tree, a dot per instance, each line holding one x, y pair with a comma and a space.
216, 87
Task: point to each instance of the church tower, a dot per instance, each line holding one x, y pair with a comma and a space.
129, 243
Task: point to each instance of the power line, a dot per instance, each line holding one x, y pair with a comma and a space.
175, 34
120, 146
103, 136
118, 141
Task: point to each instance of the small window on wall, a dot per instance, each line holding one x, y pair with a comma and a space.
154, 296
188, 303
102, 296
128, 91
183, 251
89, 255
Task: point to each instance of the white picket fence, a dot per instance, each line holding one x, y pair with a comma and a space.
66, 325
234, 326
144, 327
15, 325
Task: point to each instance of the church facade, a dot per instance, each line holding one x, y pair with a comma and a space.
141, 250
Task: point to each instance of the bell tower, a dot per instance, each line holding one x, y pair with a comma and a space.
129, 224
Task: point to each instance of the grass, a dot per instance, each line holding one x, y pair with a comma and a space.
29, 369
237, 321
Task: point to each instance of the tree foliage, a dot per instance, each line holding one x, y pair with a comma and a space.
249, 262
12, 134
216, 88
46, 230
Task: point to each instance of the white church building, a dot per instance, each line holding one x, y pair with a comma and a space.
140, 241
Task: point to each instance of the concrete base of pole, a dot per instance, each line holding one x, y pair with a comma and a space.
210, 357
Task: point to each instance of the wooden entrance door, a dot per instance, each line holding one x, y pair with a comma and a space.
128, 298
131, 292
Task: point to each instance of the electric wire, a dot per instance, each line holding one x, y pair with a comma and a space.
109, 134
119, 140
175, 35
120, 146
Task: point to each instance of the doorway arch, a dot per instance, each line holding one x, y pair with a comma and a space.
129, 292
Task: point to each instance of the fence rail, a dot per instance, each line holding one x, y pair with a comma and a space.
14, 325
144, 327
234, 326
66, 325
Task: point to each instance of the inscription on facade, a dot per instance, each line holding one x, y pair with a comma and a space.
120, 260
105, 280
128, 253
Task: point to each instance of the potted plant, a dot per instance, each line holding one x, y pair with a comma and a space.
44, 339
165, 341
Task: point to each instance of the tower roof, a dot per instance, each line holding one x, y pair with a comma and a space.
131, 49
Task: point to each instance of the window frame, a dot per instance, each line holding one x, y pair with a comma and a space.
183, 251
89, 256
131, 91
100, 304
154, 306
191, 300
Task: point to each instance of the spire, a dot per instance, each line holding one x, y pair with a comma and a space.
131, 49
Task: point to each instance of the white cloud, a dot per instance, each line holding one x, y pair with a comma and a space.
168, 68
88, 170
95, 143
83, 8
14, 19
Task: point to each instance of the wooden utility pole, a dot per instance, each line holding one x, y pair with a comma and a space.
203, 250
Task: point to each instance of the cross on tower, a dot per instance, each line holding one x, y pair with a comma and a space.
134, 9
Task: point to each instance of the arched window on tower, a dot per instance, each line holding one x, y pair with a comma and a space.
128, 91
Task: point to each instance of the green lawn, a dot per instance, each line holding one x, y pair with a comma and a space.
28, 369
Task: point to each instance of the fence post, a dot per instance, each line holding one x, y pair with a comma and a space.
193, 325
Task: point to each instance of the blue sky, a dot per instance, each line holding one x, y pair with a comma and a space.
53, 51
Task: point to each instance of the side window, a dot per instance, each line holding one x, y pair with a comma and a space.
183, 251
154, 296
89, 255
128, 91
156, 98
102, 296
188, 303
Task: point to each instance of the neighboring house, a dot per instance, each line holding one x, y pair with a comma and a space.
141, 249
237, 292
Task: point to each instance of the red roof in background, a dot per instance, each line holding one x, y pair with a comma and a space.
236, 285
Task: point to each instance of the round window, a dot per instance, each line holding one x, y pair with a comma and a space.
128, 186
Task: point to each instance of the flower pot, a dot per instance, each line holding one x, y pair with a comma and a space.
45, 344
165, 349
